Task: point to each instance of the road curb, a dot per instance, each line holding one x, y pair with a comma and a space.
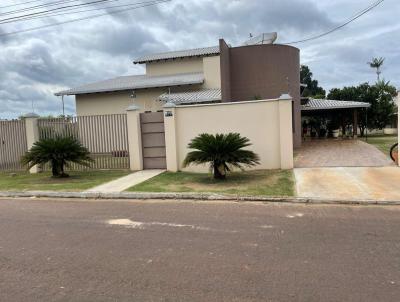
189, 196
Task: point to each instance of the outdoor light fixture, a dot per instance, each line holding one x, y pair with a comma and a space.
133, 95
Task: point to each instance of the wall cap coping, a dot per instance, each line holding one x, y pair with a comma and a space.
227, 103
133, 107
169, 105
31, 115
285, 97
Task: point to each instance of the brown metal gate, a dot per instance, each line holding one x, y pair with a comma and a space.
12, 144
153, 140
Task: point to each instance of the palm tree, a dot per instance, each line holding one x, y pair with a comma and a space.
222, 152
59, 151
377, 63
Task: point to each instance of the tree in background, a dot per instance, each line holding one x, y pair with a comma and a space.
381, 97
377, 64
312, 89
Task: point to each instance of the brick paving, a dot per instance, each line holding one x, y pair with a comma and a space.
339, 153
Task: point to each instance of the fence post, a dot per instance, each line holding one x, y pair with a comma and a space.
170, 137
32, 134
286, 131
134, 138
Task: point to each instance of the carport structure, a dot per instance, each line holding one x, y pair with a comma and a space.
339, 152
334, 109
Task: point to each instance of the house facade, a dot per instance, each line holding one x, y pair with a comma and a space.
219, 74
166, 73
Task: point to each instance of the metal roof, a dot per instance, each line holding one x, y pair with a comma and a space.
192, 97
198, 52
136, 82
319, 104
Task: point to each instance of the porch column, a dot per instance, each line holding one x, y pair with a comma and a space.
343, 127
170, 137
286, 131
134, 138
32, 135
355, 123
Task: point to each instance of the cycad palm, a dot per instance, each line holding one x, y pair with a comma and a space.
222, 151
59, 151
377, 64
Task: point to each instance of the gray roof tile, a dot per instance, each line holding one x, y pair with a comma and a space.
206, 51
192, 97
136, 82
318, 104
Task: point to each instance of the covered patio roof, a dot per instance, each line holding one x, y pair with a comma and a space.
322, 104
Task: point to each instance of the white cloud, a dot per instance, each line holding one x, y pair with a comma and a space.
34, 65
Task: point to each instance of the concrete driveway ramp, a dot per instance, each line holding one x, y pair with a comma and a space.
346, 183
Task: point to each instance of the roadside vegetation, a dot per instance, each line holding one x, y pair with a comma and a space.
382, 142
59, 152
221, 152
77, 181
255, 183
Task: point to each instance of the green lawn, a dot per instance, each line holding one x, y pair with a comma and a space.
262, 183
78, 181
383, 143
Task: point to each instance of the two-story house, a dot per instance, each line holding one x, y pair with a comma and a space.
204, 75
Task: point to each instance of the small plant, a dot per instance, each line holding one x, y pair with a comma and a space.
222, 152
59, 152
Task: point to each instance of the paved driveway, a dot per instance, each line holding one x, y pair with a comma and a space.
197, 251
346, 183
339, 153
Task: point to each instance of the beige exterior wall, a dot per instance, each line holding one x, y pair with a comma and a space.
177, 66
146, 99
266, 123
210, 66
32, 136
212, 72
118, 102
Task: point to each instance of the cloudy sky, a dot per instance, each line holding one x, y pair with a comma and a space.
36, 64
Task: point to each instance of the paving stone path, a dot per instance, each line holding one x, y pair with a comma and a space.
339, 153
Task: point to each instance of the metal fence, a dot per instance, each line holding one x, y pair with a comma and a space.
105, 136
13, 144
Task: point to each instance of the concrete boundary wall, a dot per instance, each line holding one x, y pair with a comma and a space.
267, 123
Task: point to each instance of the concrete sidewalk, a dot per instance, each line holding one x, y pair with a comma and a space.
374, 183
123, 183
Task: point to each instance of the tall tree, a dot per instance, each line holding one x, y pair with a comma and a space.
377, 64
312, 89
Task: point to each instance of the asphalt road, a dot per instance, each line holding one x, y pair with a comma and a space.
183, 251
